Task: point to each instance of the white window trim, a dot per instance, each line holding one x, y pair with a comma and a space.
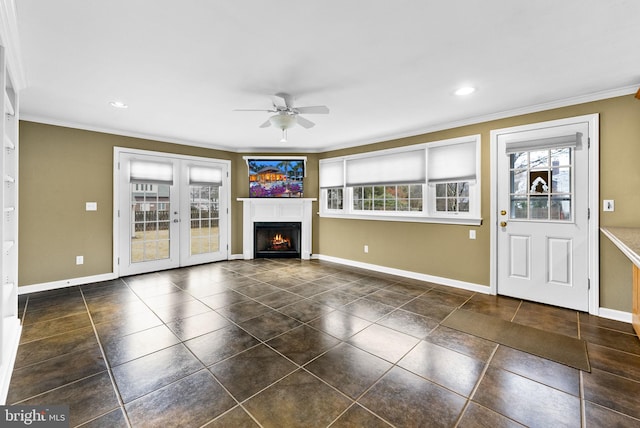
429, 213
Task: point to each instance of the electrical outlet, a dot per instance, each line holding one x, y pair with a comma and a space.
79, 260
366, 248
608, 205
91, 206
472, 234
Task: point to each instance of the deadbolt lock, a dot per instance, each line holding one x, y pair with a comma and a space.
503, 212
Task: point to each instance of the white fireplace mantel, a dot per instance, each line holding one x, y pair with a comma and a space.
276, 210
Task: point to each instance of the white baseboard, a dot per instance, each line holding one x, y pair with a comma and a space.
11, 340
236, 257
46, 286
616, 315
407, 274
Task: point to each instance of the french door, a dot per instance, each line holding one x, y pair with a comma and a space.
171, 211
543, 238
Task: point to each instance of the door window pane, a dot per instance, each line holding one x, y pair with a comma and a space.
519, 207
149, 222
205, 234
541, 186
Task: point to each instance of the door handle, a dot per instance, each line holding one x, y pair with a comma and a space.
175, 220
503, 224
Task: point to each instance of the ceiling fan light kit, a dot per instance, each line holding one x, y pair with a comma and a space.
287, 115
283, 121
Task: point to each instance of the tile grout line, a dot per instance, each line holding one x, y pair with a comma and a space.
107, 364
477, 385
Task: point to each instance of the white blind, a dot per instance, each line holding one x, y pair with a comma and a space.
392, 168
205, 176
543, 143
453, 162
331, 173
151, 172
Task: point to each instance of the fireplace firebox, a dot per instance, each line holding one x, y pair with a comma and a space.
276, 240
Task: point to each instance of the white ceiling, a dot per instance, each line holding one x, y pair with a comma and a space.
385, 68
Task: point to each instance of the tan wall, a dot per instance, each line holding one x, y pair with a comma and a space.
62, 168
446, 251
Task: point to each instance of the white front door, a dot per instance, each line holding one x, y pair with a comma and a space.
171, 211
543, 208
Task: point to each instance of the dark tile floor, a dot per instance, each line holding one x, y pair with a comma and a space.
290, 343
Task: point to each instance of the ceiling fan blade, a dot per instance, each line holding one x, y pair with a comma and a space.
312, 110
252, 109
266, 124
283, 99
305, 123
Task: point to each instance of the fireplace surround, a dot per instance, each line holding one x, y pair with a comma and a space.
276, 210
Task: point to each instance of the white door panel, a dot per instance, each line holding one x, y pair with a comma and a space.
520, 259
542, 198
172, 211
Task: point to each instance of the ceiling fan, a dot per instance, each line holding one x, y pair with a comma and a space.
286, 115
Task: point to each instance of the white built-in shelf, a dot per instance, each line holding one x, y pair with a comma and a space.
9, 179
8, 144
6, 245
7, 288
7, 105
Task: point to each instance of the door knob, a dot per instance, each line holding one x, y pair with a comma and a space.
503, 224
175, 220
503, 212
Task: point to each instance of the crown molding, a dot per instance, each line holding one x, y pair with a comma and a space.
535, 108
595, 96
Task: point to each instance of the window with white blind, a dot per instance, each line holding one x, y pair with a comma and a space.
432, 182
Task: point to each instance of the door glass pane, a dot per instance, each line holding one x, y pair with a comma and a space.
560, 208
149, 222
541, 186
538, 159
539, 208
205, 213
519, 207
561, 180
561, 157
519, 181
520, 160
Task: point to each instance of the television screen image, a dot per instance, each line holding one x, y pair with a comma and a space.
275, 178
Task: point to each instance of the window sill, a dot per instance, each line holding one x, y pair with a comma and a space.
469, 221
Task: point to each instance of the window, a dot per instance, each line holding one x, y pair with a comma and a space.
433, 182
452, 197
541, 178
406, 197
335, 198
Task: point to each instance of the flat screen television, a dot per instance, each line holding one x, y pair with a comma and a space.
275, 178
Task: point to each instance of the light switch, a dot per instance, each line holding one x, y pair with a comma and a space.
92, 206
472, 234
608, 205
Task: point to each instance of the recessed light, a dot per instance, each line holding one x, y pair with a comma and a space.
118, 104
465, 90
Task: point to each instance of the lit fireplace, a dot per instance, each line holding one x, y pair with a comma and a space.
276, 240
280, 243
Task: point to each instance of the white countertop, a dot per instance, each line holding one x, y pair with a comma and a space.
627, 239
